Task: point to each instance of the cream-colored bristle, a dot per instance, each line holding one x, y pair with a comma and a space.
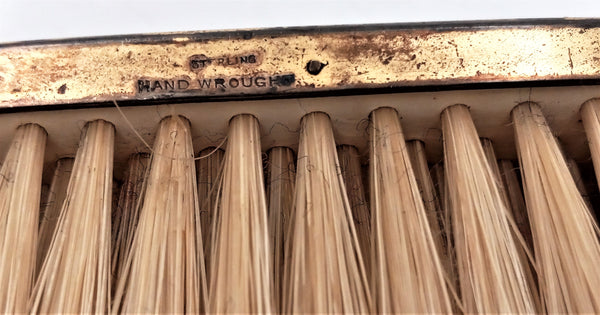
523, 250
324, 270
351, 172
590, 116
431, 201
515, 196
43, 201
438, 176
20, 189
490, 155
492, 279
408, 276
164, 270
565, 235
75, 276
240, 258
281, 178
52, 207
576, 173
208, 170
441, 188
115, 215
126, 215
511, 193
439, 181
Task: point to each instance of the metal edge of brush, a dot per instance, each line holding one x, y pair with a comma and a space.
298, 61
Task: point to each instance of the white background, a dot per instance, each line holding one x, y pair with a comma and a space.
38, 19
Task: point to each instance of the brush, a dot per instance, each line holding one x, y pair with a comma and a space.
240, 258
75, 275
565, 236
164, 269
20, 190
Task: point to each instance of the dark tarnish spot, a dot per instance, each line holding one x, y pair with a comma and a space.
62, 89
386, 60
247, 35
287, 80
314, 67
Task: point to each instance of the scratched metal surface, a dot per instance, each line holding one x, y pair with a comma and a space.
209, 66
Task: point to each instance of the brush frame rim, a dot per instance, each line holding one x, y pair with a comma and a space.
357, 59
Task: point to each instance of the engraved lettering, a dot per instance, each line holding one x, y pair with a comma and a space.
199, 62
260, 83
204, 83
246, 84
156, 86
182, 84
220, 82
169, 85
143, 85
223, 84
273, 80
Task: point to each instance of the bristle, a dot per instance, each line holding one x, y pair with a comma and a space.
52, 207
525, 255
44, 194
576, 173
511, 193
240, 274
565, 236
490, 155
208, 170
115, 215
431, 201
590, 116
407, 273
515, 196
20, 188
441, 188
281, 178
439, 181
351, 172
491, 276
164, 271
126, 216
75, 275
324, 270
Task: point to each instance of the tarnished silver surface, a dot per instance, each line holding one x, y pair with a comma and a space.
282, 62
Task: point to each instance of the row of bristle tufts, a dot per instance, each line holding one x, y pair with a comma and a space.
210, 234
